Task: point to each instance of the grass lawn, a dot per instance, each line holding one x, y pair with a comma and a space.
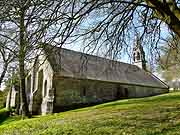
158, 115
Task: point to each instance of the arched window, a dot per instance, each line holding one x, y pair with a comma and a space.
134, 57
29, 84
45, 88
138, 56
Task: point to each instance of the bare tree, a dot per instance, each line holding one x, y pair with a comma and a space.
112, 25
7, 57
108, 23
167, 11
26, 23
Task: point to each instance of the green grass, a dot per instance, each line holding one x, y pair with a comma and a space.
158, 115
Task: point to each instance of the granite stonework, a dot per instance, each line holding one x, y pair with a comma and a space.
61, 79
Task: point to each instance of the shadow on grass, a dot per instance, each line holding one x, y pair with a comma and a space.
164, 98
153, 99
4, 115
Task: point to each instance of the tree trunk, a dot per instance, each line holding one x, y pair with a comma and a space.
17, 109
3, 72
168, 12
24, 106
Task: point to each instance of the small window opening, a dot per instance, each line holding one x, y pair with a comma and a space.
45, 88
83, 91
134, 57
126, 92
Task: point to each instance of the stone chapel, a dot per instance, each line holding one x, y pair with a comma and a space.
62, 79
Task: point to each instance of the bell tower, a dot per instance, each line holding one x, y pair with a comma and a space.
139, 55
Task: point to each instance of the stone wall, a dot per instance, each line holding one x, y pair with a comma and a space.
39, 84
71, 93
142, 91
12, 97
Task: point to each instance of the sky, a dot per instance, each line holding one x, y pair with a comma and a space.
124, 57
127, 58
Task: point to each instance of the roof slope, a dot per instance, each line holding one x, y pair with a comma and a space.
79, 65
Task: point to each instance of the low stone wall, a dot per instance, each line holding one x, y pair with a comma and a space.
142, 91
73, 93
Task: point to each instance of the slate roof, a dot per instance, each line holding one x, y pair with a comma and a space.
74, 64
